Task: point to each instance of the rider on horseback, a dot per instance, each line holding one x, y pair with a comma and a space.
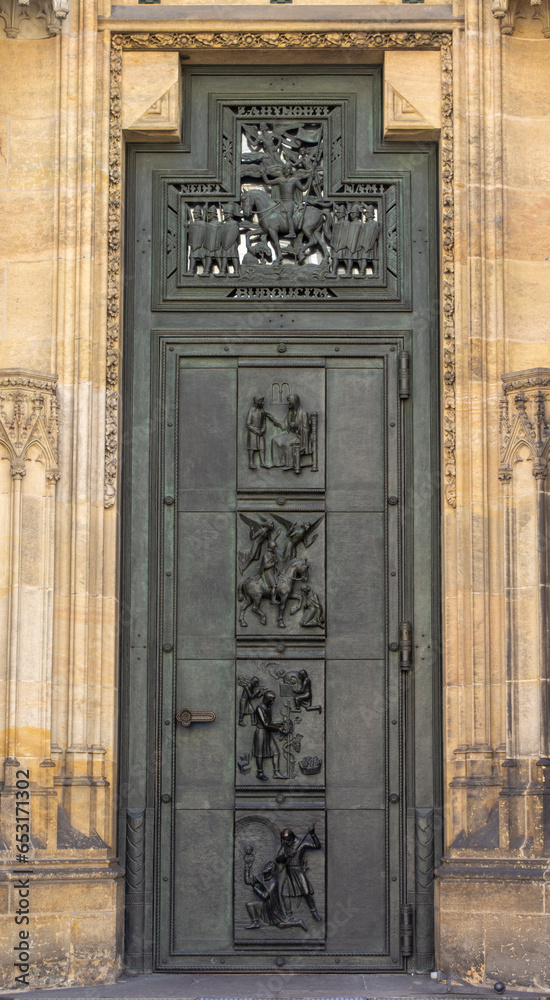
268, 569
288, 180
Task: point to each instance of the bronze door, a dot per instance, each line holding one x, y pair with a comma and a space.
279, 534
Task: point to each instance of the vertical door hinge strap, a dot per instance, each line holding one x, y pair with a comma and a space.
404, 375
405, 645
406, 931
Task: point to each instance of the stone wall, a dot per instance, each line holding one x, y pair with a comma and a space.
59, 438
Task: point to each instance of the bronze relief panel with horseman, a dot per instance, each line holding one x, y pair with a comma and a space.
285, 209
281, 574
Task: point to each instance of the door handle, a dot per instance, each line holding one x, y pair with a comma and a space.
186, 716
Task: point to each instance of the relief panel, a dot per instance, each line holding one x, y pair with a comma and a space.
281, 574
281, 426
280, 732
274, 201
280, 878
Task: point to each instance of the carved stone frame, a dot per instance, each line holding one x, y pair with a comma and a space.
295, 40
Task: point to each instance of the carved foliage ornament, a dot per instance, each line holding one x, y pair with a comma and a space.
508, 11
298, 40
28, 417
32, 18
525, 420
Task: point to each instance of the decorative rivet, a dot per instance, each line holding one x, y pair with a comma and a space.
166, 797
337, 961
394, 646
394, 722
165, 878
168, 572
169, 424
280, 798
280, 962
167, 722
392, 423
168, 647
169, 501
393, 500
392, 348
394, 878
281, 348
394, 798
281, 501
170, 348
226, 348
281, 647
393, 573
336, 348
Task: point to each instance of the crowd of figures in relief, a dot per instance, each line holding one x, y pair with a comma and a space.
283, 215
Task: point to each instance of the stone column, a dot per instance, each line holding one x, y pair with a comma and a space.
525, 797
28, 441
58, 611
490, 888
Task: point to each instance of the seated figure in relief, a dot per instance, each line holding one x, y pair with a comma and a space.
296, 446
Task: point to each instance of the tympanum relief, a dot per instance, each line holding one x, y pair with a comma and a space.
281, 214
283, 218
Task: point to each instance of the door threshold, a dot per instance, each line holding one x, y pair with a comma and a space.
276, 986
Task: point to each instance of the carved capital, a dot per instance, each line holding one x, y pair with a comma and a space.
28, 417
30, 19
525, 420
508, 12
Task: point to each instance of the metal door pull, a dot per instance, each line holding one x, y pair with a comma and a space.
186, 716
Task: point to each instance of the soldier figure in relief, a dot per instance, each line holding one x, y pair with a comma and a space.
368, 249
355, 233
339, 240
212, 242
195, 239
229, 239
